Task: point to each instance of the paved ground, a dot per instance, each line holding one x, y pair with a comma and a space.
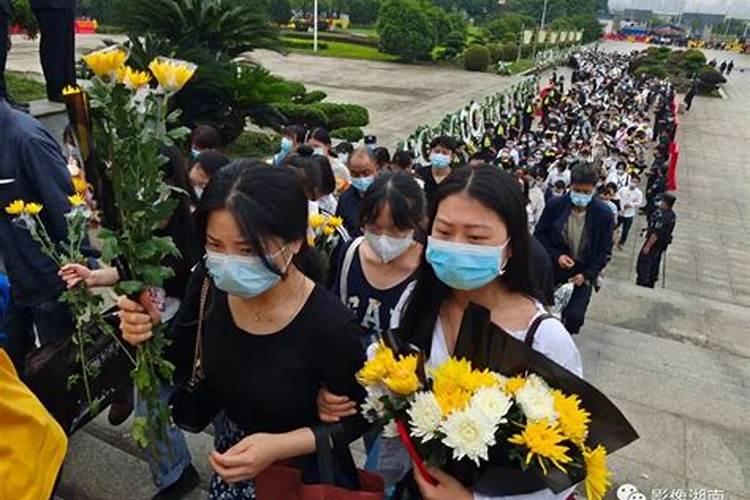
676, 360
400, 97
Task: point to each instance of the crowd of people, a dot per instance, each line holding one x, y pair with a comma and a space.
540, 201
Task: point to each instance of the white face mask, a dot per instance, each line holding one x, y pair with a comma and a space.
388, 248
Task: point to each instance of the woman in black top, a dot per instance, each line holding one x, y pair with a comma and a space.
266, 350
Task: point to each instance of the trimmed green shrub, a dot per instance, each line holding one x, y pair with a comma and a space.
253, 145
312, 97
301, 114
508, 52
405, 30
454, 44
350, 134
652, 70
476, 58
495, 52
342, 115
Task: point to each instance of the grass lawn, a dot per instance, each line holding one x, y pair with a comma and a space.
24, 89
369, 32
348, 51
520, 66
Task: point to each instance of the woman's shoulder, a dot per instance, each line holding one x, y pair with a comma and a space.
326, 307
554, 341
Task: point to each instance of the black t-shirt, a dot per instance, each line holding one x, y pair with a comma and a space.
269, 383
372, 306
430, 184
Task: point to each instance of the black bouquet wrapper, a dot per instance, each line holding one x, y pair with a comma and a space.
488, 346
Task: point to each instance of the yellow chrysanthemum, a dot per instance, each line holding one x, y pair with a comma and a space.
317, 220
377, 368
76, 200
572, 418
542, 440
15, 208
32, 208
171, 74
452, 372
71, 89
132, 79
328, 230
79, 185
598, 476
311, 240
478, 379
402, 377
335, 222
105, 63
514, 384
450, 397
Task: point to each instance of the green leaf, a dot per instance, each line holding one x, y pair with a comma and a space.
129, 287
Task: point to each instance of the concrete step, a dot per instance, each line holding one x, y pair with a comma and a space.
52, 115
665, 313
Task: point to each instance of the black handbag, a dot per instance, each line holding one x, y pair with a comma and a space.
192, 403
48, 369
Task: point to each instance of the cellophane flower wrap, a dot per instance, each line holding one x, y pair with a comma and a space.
130, 126
459, 413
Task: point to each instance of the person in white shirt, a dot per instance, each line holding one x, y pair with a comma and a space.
619, 176
631, 199
558, 172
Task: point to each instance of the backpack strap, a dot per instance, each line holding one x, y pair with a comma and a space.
533, 327
345, 266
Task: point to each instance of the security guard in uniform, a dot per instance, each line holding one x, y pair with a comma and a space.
658, 237
57, 48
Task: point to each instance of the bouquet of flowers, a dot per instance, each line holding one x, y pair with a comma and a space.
85, 306
458, 413
124, 117
324, 233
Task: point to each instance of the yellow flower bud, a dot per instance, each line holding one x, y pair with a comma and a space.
32, 208
15, 208
172, 74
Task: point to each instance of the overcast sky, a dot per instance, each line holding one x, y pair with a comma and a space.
736, 8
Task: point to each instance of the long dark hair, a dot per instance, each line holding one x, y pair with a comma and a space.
180, 227
402, 194
501, 193
265, 202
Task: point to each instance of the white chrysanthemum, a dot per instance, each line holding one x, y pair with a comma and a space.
536, 400
390, 430
372, 407
425, 416
493, 403
469, 434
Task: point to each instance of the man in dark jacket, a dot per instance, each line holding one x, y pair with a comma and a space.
33, 169
576, 230
363, 167
57, 47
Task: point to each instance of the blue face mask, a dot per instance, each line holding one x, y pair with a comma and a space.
286, 144
239, 275
194, 153
580, 199
439, 160
362, 183
463, 266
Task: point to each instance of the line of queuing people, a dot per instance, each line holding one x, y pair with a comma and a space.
501, 225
